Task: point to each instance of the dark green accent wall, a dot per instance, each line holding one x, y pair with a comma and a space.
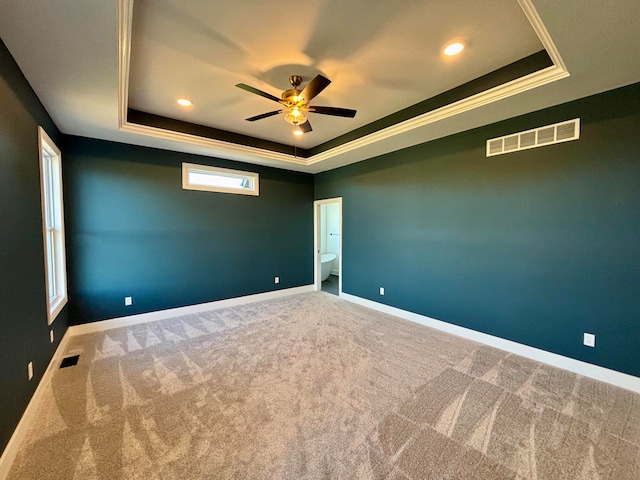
133, 231
536, 246
23, 308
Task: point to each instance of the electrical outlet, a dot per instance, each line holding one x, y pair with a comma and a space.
128, 301
30, 370
589, 339
381, 290
276, 279
51, 335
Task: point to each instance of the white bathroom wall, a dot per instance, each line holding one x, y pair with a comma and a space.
332, 233
323, 229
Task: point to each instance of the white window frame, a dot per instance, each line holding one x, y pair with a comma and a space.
52, 225
252, 178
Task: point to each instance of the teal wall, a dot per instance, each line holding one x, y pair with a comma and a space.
536, 246
23, 305
133, 231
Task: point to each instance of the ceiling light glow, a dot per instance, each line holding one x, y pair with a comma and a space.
453, 48
298, 131
185, 102
295, 115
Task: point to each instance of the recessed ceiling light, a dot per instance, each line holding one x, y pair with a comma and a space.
453, 48
185, 102
298, 131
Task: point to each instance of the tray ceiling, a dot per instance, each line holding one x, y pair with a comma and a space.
90, 62
381, 57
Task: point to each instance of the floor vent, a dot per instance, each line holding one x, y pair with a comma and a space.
69, 361
538, 137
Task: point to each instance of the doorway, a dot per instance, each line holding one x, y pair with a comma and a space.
327, 219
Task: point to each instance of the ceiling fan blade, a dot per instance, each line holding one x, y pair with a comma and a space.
314, 87
306, 127
338, 112
264, 115
251, 89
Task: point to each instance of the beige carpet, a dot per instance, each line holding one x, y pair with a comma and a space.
312, 387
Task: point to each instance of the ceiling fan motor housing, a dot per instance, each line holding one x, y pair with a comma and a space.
292, 97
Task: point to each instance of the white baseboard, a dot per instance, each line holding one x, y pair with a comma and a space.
613, 377
11, 450
176, 312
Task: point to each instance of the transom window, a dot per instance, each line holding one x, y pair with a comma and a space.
52, 224
214, 179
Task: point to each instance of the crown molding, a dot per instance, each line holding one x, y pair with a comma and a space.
259, 155
244, 151
534, 80
125, 20
543, 34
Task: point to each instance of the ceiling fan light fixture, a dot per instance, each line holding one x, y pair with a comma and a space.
295, 115
453, 48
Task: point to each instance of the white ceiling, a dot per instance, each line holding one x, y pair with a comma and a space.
381, 56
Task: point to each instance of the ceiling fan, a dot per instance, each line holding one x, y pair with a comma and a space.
295, 103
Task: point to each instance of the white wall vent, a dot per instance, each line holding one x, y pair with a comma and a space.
538, 137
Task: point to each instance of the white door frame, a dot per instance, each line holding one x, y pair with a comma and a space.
317, 280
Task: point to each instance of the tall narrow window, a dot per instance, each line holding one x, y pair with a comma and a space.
52, 224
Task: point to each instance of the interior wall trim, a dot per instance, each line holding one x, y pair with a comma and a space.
11, 450
613, 377
179, 311
244, 151
125, 19
317, 254
267, 157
